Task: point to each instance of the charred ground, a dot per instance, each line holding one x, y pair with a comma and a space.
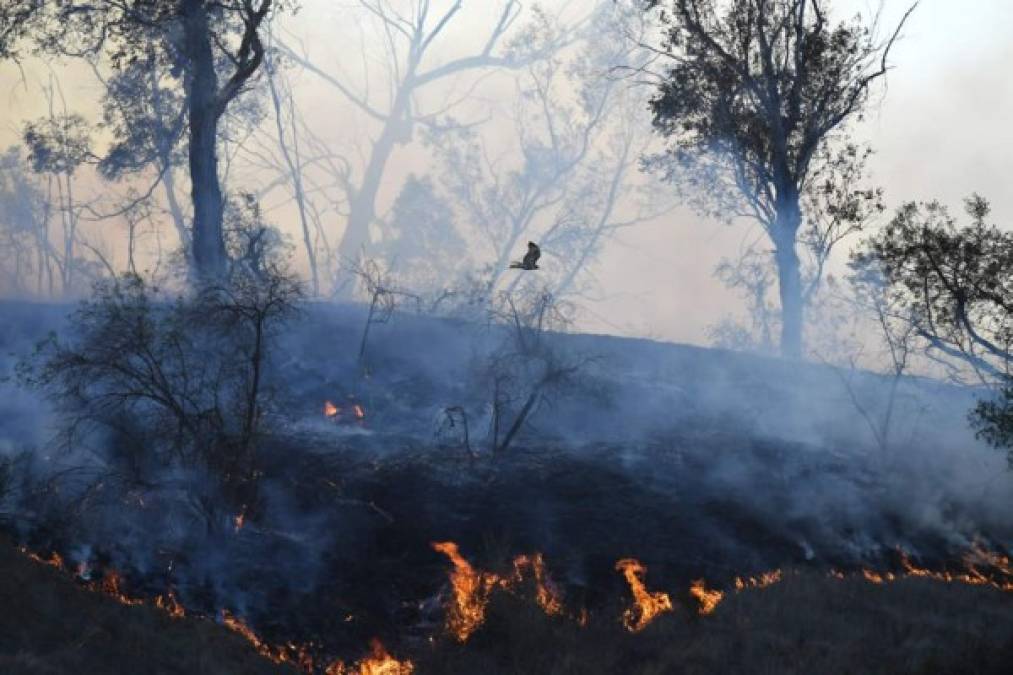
700, 463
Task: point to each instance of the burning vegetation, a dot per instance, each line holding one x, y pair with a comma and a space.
647, 605
470, 589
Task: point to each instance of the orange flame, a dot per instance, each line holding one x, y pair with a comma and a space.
237, 625
472, 588
330, 410
360, 414
760, 581
170, 605
647, 605
379, 662
546, 594
54, 560
708, 599
876, 577
112, 584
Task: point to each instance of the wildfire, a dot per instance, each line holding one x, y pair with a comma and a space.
546, 594
112, 584
470, 593
379, 662
971, 575
237, 625
337, 413
240, 519
708, 599
761, 581
876, 577
54, 560
472, 588
170, 605
647, 605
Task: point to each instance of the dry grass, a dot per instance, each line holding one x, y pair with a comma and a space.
806, 624
50, 626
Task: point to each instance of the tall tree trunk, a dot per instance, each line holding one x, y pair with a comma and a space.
362, 204
789, 218
202, 102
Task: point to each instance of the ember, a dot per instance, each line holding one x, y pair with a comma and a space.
647, 605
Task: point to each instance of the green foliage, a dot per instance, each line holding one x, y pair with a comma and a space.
58, 144
953, 284
952, 287
992, 420
753, 95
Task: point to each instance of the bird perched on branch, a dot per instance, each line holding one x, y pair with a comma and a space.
530, 261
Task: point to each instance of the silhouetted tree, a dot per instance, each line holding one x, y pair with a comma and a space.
953, 289
14, 23
753, 96
411, 34
214, 48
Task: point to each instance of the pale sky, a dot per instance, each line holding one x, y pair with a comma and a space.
941, 132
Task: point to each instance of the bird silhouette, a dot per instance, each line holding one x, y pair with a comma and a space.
530, 261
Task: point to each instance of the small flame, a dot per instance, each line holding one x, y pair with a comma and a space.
240, 519
379, 662
237, 625
170, 605
876, 577
647, 605
760, 581
708, 599
471, 588
54, 560
112, 584
330, 410
546, 594
360, 414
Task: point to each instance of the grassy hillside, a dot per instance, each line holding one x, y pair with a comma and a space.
807, 623
49, 625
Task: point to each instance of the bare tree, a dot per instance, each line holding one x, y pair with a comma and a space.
182, 381
528, 368
59, 144
752, 97
567, 179
283, 102
410, 37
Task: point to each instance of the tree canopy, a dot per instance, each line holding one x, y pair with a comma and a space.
752, 97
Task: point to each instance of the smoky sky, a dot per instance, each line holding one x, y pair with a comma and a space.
940, 130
